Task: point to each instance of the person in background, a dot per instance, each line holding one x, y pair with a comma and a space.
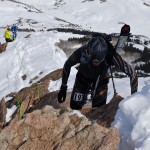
14, 30
7, 35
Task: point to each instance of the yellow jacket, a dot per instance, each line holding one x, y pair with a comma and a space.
7, 34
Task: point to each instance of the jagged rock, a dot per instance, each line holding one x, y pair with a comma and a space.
41, 73
48, 99
30, 104
50, 129
28, 36
24, 77
3, 112
12, 94
35, 78
105, 114
3, 47
24, 107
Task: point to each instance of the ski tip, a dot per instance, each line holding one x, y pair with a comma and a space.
120, 22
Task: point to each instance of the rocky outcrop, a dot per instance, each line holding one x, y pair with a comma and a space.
3, 112
52, 129
47, 125
105, 114
37, 91
3, 47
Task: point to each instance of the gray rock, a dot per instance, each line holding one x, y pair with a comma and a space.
49, 129
3, 112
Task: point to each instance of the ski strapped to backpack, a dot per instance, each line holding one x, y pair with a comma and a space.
124, 34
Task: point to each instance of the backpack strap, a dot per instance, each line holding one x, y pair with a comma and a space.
110, 54
84, 56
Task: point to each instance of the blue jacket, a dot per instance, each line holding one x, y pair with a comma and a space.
14, 28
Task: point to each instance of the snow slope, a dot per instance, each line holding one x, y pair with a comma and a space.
90, 15
30, 56
133, 120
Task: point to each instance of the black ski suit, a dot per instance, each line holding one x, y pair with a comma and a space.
97, 76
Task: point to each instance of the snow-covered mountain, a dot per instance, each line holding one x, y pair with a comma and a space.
38, 55
95, 15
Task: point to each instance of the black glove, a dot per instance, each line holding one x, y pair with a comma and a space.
125, 30
62, 94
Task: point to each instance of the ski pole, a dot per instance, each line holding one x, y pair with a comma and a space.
115, 93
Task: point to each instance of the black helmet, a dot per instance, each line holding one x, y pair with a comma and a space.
97, 49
